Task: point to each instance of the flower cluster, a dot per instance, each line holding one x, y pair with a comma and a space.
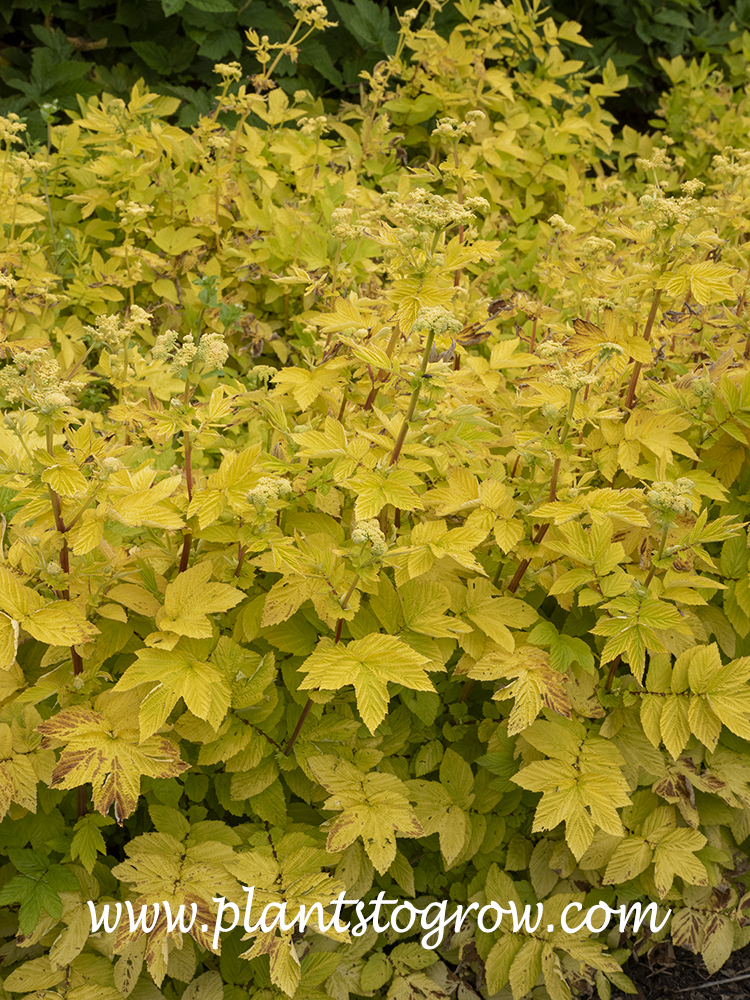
313, 13
559, 223
436, 320
211, 350
572, 377
267, 490
10, 127
369, 531
549, 349
34, 378
113, 331
726, 163
674, 211
664, 496
432, 211
341, 224
658, 160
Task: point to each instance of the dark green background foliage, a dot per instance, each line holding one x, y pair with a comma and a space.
53, 50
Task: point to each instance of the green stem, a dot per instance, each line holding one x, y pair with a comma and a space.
566, 423
662, 544
413, 401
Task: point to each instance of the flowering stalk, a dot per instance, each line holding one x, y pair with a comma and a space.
409, 415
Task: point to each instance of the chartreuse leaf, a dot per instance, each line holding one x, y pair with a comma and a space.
443, 806
634, 626
56, 623
493, 613
102, 747
190, 598
533, 683
564, 650
88, 841
369, 664
8, 641
696, 696
581, 782
188, 866
183, 672
288, 875
372, 806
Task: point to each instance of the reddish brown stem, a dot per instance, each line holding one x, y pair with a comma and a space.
185, 554
382, 375
611, 674
465, 690
646, 336
342, 410
543, 529
298, 727
65, 567
308, 703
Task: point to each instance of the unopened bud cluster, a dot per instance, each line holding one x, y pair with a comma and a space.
110, 465
132, 212
673, 497
703, 388
451, 128
595, 244
608, 351
369, 531
229, 71
313, 126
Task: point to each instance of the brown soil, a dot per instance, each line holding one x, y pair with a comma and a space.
674, 974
